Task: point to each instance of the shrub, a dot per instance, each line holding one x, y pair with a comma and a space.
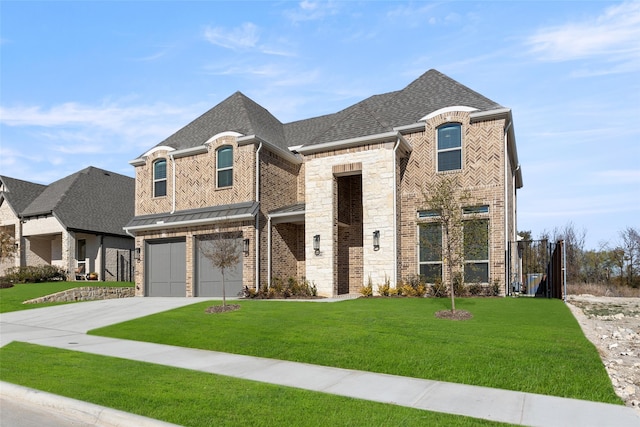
292, 288
458, 285
495, 288
367, 291
385, 289
439, 289
34, 274
476, 289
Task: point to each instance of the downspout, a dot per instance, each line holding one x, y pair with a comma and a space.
395, 214
268, 252
257, 244
506, 208
173, 183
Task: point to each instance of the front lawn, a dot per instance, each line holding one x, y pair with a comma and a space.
11, 298
198, 399
531, 345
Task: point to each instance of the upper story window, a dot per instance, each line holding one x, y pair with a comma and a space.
160, 178
224, 166
450, 147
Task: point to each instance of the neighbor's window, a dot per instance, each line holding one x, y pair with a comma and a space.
160, 178
430, 244
476, 251
224, 166
449, 147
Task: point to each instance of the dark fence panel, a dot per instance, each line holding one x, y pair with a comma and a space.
537, 268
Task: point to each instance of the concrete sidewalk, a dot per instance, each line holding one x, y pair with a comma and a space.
65, 326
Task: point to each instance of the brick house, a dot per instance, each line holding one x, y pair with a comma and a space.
75, 223
335, 199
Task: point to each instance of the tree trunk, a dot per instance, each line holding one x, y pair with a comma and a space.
224, 297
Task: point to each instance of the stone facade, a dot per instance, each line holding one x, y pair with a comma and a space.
85, 293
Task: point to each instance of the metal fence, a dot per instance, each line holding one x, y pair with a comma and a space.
537, 268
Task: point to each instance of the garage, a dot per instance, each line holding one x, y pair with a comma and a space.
166, 268
209, 278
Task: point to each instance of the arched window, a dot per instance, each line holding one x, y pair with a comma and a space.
449, 147
224, 166
160, 178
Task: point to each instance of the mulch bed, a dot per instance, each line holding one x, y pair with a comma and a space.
455, 315
222, 308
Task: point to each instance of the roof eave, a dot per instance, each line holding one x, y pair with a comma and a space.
178, 224
254, 139
355, 142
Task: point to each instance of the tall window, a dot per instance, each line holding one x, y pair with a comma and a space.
224, 166
430, 236
476, 251
449, 147
160, 178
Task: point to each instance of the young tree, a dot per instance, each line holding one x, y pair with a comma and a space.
446, 197
223, 251
7, 246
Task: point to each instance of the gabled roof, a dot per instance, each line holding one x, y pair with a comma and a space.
19, 194
375, 115
92, 200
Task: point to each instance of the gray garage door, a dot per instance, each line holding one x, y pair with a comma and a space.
166, 269
209, 278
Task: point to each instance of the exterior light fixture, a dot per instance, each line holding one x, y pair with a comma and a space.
136, 254
316, 244
245, 247
376, 240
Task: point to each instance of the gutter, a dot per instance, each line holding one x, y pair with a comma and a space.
253, 139
166, 225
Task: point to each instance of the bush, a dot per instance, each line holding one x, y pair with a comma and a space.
292, 288
367, 291
458, 285
35, 274
439, 289
476, 289
385, 289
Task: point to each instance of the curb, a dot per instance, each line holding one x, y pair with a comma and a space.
85, 412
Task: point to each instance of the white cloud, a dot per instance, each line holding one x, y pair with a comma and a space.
311, 11
628, 176
612, 36
243, 37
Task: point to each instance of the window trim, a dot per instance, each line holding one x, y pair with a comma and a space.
223, 169
156, 180
448, 150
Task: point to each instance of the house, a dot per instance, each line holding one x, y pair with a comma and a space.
335, 199
75, 223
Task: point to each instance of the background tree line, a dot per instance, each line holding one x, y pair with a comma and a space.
615, 263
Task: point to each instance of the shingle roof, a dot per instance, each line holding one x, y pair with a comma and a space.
376, 114
19, 194
92, 199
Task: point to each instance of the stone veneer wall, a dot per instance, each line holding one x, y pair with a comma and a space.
377, 169
482, 174
86, 293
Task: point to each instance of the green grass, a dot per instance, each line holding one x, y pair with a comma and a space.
11, 298
530, 345
198, 399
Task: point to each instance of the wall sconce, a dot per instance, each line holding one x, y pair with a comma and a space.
136, 254
376, 240
17, 245
316, 244
245, 247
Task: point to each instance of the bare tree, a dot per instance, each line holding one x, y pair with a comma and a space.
223, 251
8, 247
446, 198
631, 258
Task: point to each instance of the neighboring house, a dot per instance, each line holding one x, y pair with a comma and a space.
335, 199
75, 223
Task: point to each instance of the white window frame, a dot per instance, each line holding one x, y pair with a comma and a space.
223, 169
448, 150
158, 180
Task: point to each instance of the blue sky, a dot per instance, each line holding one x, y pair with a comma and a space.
87, 83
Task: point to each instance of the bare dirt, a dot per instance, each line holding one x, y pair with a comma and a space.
612, 324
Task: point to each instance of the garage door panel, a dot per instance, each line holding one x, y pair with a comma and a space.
210, 278
166, 269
